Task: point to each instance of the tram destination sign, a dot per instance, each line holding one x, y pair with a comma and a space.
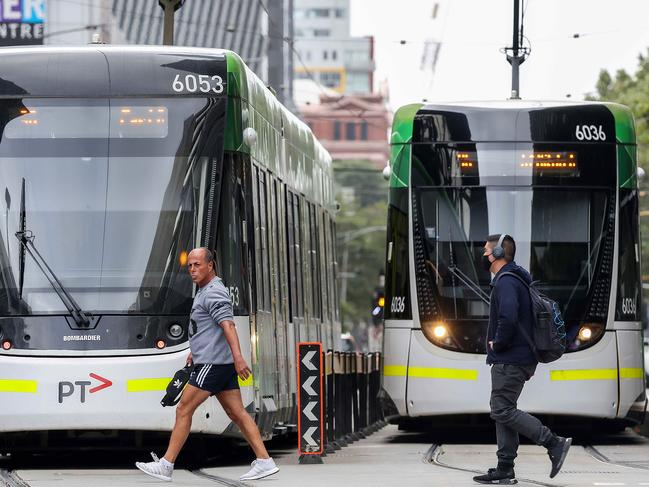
21, 22
310, 405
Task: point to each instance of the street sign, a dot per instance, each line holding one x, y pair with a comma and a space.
310, 425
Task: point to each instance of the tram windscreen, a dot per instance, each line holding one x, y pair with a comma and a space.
115, 192
558, 234
560, 222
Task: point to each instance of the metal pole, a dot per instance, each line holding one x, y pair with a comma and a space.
276, 48
105, 21
291, 40
515, 58
169, 7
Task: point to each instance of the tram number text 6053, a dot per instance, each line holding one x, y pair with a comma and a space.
192, 83
590, 132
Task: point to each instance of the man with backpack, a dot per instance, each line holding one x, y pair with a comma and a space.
513, 359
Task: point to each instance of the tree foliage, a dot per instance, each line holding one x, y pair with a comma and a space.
362, 194
632, 90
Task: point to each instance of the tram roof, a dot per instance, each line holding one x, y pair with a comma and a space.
500, 120
509, 104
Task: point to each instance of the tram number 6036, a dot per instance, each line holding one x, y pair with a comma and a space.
628, 306
398, 304
590, 132
191, 83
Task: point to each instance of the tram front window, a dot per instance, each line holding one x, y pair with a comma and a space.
561, 231
115, 194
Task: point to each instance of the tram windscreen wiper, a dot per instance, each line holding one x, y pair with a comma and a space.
26, 239
466, 280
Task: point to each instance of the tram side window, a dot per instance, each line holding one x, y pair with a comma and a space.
262, 275
290, 242
324, 265
296, 303
231, 251
397, 276
279, 255
263, 232
334, 271
315, 264
257, 266
628, 291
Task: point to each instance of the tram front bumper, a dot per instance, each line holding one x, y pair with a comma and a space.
93, 393
435, 381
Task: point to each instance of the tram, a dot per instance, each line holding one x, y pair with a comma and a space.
561, 178
115, 163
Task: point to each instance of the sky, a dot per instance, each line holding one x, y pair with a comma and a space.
470, 65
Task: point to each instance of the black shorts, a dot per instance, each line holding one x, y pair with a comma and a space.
214, 378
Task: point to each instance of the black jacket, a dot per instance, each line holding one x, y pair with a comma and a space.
510, 309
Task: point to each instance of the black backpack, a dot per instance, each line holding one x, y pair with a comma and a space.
549, 331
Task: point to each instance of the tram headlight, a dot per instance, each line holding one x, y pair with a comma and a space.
438, 333
175, 331
160, 344
585, 333
588, 335
6, 345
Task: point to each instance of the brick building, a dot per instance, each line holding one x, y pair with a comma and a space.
352, 127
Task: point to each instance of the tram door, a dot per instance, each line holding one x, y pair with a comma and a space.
314, 274
278, 303
297, 327
264, 333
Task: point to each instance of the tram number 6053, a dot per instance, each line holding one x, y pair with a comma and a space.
234, 295
191, 83
590, 132
398, 304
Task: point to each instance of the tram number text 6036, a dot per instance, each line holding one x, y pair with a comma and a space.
590, 132
628, 306
398, 304
192, 83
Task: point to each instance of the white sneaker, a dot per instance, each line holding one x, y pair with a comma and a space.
260, 469
156, 469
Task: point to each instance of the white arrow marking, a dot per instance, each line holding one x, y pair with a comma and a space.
308, 411
308, 436
307, 360
307, 386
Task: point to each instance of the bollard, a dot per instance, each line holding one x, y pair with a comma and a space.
339, 404
350, 397
362, 394
329, 420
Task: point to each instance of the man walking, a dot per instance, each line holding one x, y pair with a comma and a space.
513, 363
215, 350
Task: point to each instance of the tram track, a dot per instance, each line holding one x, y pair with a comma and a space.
216, 478
9, 478
599, 456
433, 453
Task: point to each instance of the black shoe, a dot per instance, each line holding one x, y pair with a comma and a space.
558, 454
499, 477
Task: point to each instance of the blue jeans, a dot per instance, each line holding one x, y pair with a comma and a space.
507, 381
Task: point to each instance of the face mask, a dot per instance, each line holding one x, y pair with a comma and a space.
486, 263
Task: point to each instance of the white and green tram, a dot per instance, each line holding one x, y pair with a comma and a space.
114, 163
561, 179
